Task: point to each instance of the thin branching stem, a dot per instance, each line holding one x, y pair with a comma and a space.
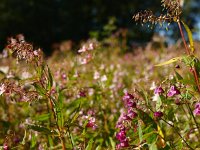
190, 110
178, 133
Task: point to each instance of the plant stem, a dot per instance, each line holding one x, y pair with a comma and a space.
177, 133
183, 38
59, 130
70, 137
188, 53
190, 110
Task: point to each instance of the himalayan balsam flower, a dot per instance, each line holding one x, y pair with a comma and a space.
158, 114
83, 49
173, 91
121, 136
5, 146
197, 109
158, 90
91, 123
128, 100
131, 114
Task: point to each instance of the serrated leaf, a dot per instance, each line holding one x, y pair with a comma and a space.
89, 146
189, 33
169, 61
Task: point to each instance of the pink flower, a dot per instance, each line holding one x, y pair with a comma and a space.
158, 114
173, 91
158, 90
131, 114
196, 112
121, 136
83, 49
91, 123
197, 109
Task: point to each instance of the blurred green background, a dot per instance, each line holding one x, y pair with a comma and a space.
45, 22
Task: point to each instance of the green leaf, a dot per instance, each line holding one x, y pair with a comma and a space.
39, 89
153, 146
146, 118
50, 140
158, 103
33, 141
89, 146
189, 36
179, 77
42, 117
98, 147
50, 79
39, 129
169, 61
112, 143
140, 132
24, 138
59, 108
59, 116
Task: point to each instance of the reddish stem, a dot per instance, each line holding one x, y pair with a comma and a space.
188, 52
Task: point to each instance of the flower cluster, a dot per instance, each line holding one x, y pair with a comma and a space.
130, 104
197, 109
172, 91
86, 51
90, 118
13, 90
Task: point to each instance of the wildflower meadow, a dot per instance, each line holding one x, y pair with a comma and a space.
102, 96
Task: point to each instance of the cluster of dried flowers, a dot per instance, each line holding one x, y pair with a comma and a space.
24, 50
173, 11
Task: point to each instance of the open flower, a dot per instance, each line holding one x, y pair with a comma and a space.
173, 91
197, 109
158, 90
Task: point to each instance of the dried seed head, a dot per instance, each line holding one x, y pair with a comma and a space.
173, 13
24, 50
